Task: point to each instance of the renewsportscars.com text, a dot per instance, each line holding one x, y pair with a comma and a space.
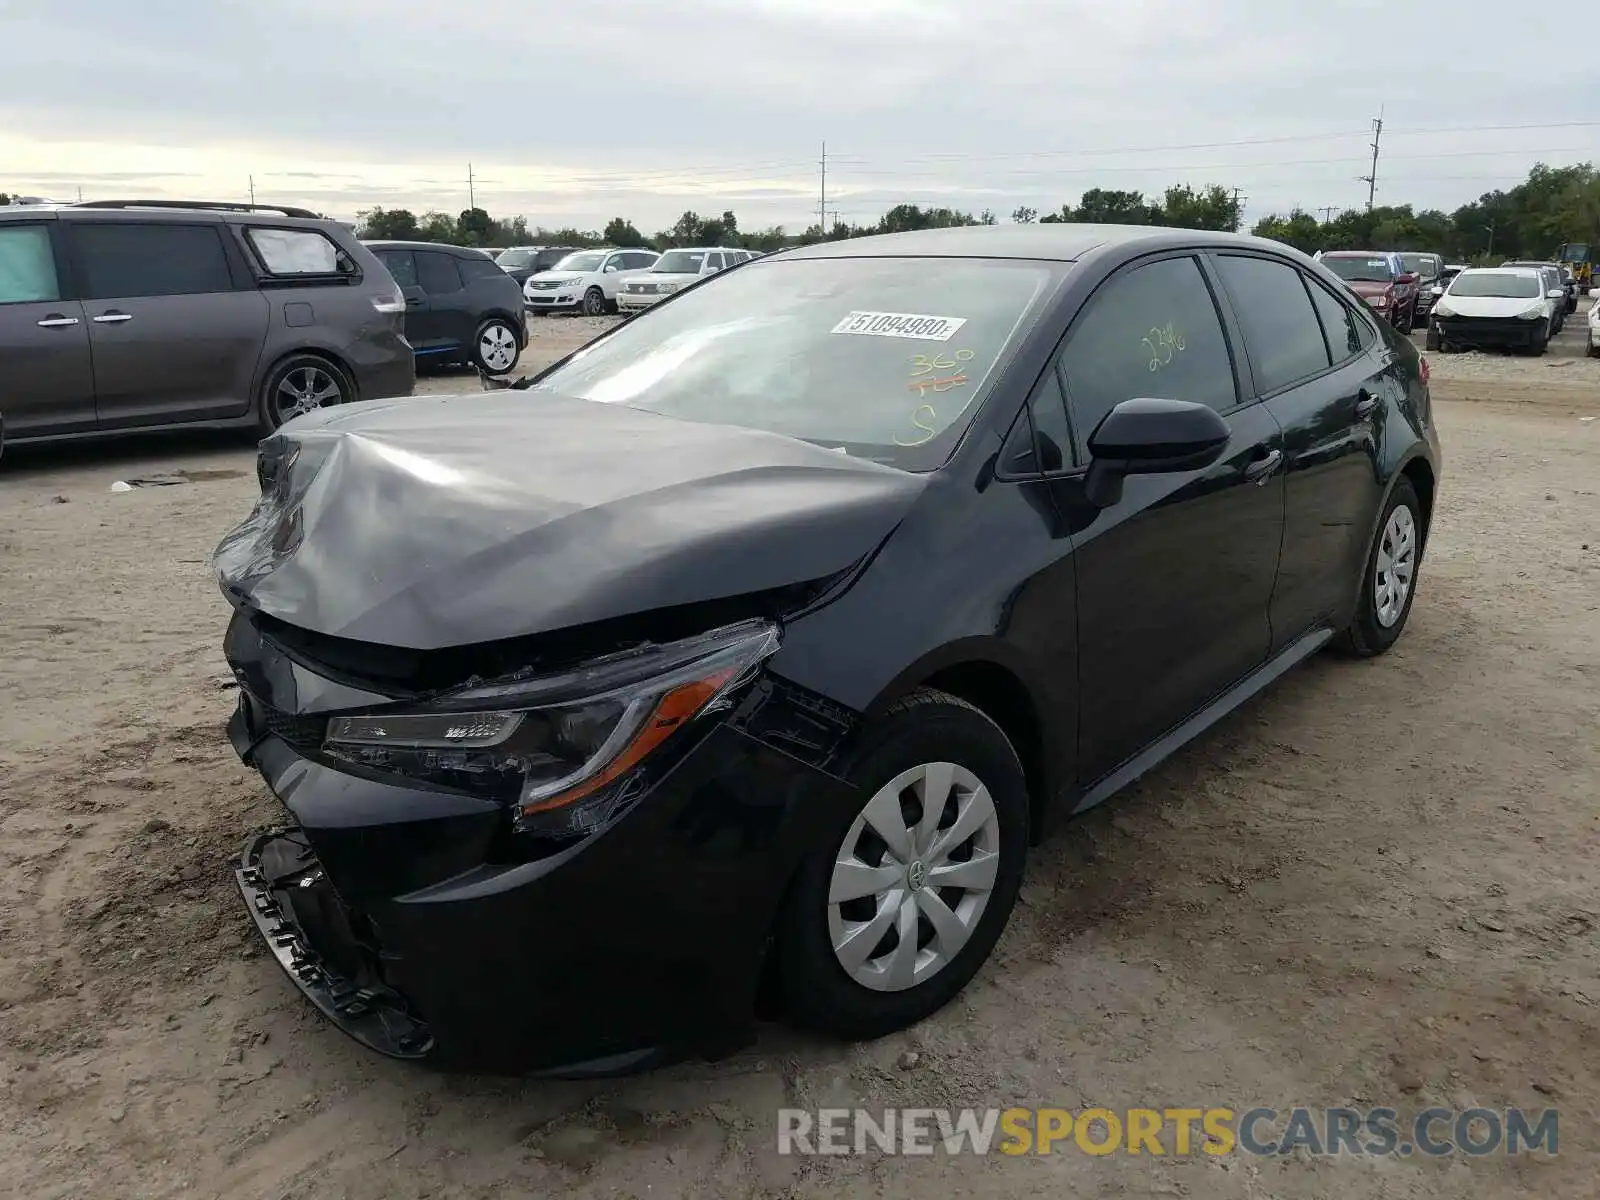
1321, 1132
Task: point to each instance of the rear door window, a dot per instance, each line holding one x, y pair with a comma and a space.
478, 268
1347, 332
27, 266
132, 259
1281, 328
1149, 332
437, 273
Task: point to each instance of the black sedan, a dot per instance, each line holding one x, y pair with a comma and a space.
732, 667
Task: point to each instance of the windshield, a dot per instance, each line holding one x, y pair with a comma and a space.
585, 260
884, 358
1508, 285
1425, 265
1359, 269
681, 262
511, 259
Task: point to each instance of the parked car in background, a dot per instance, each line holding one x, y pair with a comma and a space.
519, 262
585, 281
460, 307
769, 632
1428, 296
120, 315
1564, 280
1381, 279
1495, 308
1594, 322
1426, 267
672, 272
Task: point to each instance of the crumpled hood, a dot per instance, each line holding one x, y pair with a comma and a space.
450, 520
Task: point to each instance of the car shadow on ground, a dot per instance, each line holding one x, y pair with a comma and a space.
126, 455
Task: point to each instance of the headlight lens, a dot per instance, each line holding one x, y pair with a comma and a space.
667, 287
1534, 313
1442, 309
561, 749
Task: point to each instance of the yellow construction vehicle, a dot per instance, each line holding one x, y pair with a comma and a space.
1576, 256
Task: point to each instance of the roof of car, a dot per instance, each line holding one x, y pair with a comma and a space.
458, 251
1061, 242
185, 211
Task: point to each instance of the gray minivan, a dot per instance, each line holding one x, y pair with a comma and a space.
125, 315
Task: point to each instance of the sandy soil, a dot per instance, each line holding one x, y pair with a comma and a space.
1375, 885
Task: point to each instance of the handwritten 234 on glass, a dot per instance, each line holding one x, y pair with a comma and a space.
1167, 1132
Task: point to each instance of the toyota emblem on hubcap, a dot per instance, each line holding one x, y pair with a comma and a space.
916, 876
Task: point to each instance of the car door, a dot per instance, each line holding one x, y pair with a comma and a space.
422, 330
174, 334
451, 318
1174, 579
48, 375
1326, 374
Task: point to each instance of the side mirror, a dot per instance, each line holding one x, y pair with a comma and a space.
1151, 437
1557, 293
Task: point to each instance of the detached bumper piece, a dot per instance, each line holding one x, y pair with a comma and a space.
1490, 331
308, 930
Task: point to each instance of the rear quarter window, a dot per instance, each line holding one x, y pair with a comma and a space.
303, 252
473, 269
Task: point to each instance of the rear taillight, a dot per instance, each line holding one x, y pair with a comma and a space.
393, 302
1422, 368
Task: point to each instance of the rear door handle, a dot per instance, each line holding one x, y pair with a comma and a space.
1366, 403
56, 321
112, 318
1259, 471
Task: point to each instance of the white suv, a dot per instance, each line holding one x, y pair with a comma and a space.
674, 271
586, 281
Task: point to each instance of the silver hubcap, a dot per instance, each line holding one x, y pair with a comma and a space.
913, 876
498, 348
1396, 566
593, 302
305, 389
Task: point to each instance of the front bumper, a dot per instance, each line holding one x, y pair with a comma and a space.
1487, 332
551, 303
631, 300
642, 944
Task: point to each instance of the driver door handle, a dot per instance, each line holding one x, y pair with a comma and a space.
1366, 403
1259, 471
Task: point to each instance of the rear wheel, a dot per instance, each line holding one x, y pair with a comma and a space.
495, 349
300, 384
896, 910
1389, 582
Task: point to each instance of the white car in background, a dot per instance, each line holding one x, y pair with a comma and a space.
587, 281
674, 271
1511, 308
1594, 323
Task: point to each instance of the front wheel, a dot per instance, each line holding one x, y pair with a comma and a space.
495, 348
1432, 340
594, 302
893, 914
1388, 583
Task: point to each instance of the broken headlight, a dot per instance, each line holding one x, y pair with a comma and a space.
560, 749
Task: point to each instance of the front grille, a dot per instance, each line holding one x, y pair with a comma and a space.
304, 733
1489, 329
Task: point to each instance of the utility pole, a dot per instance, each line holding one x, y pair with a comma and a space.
1372, 180
252, 190
1327, 213
1238, 209
1489, 253
472, 196
80, 193
822, 196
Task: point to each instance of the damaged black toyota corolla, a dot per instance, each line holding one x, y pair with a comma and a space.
731, 668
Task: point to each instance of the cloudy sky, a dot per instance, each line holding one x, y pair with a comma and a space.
574, 112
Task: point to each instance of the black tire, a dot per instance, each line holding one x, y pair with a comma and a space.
1432, 339
291, 377
1594, 351
1366, 635
1539, 346
926, 726
480, 356
594, 302
1410, 321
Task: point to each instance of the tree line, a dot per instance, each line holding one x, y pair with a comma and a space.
1529, 220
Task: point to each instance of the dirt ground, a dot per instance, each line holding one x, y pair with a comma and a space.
1377, 884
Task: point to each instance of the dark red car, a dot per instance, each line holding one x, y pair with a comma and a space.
1381, 279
